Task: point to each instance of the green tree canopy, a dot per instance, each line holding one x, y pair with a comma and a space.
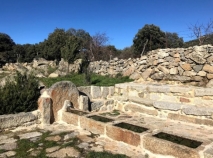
173, 40
6, 43
150, 35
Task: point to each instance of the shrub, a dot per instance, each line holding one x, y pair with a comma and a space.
20, 95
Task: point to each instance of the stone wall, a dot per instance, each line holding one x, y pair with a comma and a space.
193, 65
20, 119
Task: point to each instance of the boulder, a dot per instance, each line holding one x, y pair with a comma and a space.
208, 68
61, 91
186, 67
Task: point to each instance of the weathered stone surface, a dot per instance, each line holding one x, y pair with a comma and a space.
53, 138
184, 100
210, 84
9, 146
147, 73
197, 68
180, 70
167, 105
65, 152
208, 153
135, 76
209, 76
178, 78
85, 90
70, 118
92, 125
8, 154
123, 135
14, 120
29, 135
203, 92
189, 73
95, 105
140, 109
158, 88
45, 107
197, 111
146, 102
160, 146
163, 69
197, 58
53, 75
208, 68
83, 103
95, 92
162, 54
52, 149
128, 71
190, 119
173, 71
201, 73
158, 76
186, 67
104, 92
61, 91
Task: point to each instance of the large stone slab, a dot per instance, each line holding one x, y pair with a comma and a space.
95, 92
167, 105
139, 108
203, 92
197, 111
163, 147
123, 135
61, 91
14, 120
208, 153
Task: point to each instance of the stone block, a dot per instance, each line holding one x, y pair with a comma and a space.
158, 89
197, 111
104, 92
14, 120
209, 76
61, 91
189, 73
163, 69
140, 109
147, 73
95, 92
190, 119
208, 153
173, 71
197, 68
203, 92
184, 100
201, 73
146, 102
45, 107
91, 125
70, 118
186, 67
208, 68
85, 90
163, 147
96, 104
167, 105
210, 84
111, 90
123, 135
83, 103
179, 89
196, 57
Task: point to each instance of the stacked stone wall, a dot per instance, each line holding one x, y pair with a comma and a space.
192, 65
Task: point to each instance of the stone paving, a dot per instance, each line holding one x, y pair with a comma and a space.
57, 140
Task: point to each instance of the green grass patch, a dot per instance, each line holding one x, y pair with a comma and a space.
104, 154
2, 151
79, 80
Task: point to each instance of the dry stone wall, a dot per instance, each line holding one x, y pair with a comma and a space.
192, 65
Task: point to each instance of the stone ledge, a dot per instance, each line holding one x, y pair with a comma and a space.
70, 118
14, 120
190, 119
197, 111
167, 105
146, 102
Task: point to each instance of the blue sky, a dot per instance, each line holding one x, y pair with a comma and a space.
31, 21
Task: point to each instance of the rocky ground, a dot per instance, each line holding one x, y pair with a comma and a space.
59, 140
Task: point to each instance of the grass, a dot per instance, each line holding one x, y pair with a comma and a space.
79, 80
104, 154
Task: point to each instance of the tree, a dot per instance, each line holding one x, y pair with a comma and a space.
54, 43
150, 34
6, 43
99, 40
202, 32
71, 49
173, 41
